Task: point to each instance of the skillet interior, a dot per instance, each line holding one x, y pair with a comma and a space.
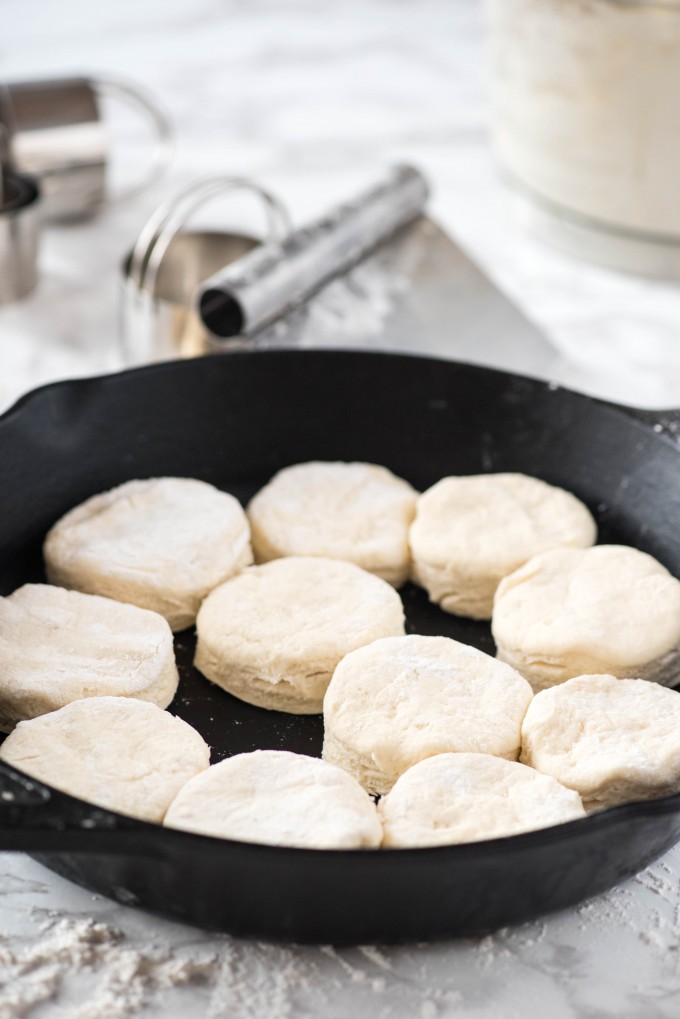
234, 421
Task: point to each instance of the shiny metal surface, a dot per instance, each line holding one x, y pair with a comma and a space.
163, 324
161, 130
167, 264
419, 291
56, 135
244, 298
415, 291
19, 229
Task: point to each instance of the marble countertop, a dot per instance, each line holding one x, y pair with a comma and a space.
311, 98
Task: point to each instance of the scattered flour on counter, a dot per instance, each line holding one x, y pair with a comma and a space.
355, 973
656, 922
612, 907
662, 931
115, 979
75, 967
37, 971
375, 956
257, 981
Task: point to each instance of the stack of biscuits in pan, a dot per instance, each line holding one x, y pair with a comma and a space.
573, 715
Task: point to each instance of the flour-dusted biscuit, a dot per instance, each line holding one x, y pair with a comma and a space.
402, 699
355, 511
470, 532
467, 797
273, 635
278, 798
57, 646
161, 543
608, 609
122, 754
612, 740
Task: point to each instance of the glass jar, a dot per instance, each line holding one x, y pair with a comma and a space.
587, 124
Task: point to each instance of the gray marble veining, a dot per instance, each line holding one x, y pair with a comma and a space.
310, 98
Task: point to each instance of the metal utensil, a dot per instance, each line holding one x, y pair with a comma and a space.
56, 134
243, 298
19, 197
168, 262
375, 272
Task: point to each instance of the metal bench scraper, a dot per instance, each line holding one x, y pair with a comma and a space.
375, 272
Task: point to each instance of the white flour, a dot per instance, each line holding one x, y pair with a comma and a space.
75, 967
116, 980
352, 310
37, 972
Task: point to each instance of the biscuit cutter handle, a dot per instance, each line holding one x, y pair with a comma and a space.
37, 819
162, 132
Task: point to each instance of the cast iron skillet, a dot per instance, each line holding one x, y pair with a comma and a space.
234, 421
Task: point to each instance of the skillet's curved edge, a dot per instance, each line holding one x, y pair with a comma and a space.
646, 417
364, 896
651, 827
345, 896
63, 405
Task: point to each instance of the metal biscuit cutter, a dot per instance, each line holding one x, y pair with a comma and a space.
19, 204
168, 262
56, 133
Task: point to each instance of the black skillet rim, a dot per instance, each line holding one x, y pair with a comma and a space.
112, 821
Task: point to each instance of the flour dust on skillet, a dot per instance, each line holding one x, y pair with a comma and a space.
234, 421
231, 726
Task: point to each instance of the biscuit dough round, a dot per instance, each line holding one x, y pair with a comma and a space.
402, 699
470, 532
355, 511
608, 609
612, 740
160, 543
119, 753
468, 797
273, 635
58, 646
279, 798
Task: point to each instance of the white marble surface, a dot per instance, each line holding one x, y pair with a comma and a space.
311, 98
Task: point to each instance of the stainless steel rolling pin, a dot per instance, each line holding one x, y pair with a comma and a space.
251, 293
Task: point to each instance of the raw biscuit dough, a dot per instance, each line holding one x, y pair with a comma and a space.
355, 511
161, 543
278, 798
402, 699
612, 740
470, 532
122, 754
467, 797
273, 635
57, 646
608, 609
